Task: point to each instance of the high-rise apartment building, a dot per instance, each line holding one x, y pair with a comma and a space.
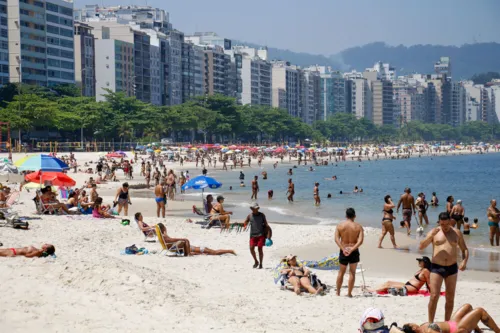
310, 96
40, 42
383, 107
85, 59
443, 68
219, 76
175, 39
193, 63
286, 87
4, 44
333, 91
384, 71
156, 73
115, 67
360, 98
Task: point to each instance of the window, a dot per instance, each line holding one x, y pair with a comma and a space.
3, 9
52, 18
53, 40
53, 52
66, 11
66, 64
4, 33
52, 7
67, 76
66, 32
52, 29
67, 54
3, 20
53, 73
66, 22
39, 27
4, 45
54, 62
67, 43
38, 4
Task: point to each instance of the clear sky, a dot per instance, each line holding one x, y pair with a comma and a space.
329, 26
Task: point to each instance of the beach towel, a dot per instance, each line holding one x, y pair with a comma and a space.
424, 293
327, 264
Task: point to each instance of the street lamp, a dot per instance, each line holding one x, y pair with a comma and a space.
81, 95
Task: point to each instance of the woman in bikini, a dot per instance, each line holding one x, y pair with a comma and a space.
187, 247
421, 278
422, 206
464, 320
29, 251
218, 213
298, 276
317, 200
123, 198
387, 226
493, 222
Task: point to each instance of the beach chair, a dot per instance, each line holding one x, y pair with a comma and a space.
42, 208
168, 248
149, 236
11, 201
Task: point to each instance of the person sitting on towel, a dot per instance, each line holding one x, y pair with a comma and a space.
415, 283
29, 251
298, 276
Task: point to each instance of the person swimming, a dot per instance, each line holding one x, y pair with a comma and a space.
466, 226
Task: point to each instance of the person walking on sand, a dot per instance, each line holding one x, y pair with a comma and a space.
255, 188
445, 239
317, 199
349, 236
160, 199
408, 203
259, 231
291, 190
387, 226
493, 221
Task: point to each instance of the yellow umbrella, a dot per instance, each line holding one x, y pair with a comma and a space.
194, 148
32, 186
158, 151
20, 162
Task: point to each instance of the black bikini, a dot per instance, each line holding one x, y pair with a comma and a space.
390, 211
418, 279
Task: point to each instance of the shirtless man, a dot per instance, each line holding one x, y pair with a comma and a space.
317, 199
291, 190
349, 236
170, 184
408, 205
445, 239
457, 213
29, 251
493, 221
255, 188
160, 199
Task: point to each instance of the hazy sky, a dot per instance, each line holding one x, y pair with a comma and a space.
329, 26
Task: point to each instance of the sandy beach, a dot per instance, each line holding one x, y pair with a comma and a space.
91, 287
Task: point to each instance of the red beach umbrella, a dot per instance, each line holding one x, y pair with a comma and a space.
57, 178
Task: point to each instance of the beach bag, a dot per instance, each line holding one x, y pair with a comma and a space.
131, 249
316, 282
19, 224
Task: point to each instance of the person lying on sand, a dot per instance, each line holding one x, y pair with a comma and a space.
187, 247
416, 282
299, 276
464, 320
29, 251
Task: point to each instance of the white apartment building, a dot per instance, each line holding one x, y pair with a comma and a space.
311, 96
360, 98
285, 87
385, 71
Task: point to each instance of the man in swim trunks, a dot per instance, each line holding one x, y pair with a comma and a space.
259, 231
445, 239
349, 236
408, 206
291, 190
29, 251
493, 221
160, 199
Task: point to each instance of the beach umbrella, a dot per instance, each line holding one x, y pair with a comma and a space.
229, 152
201, 182
41, 162
9, 173
149, 150
56, 178
237, 151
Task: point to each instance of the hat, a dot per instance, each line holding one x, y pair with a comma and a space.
371, 319
459, 202
255, 206
426, 260
289, 257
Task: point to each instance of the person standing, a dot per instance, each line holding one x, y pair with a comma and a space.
408, 203
349, 236
255, 188
387, 226
317, 199
160, 199
457, 214
493, 221
445, 239
122, 198
242, 176
259, 231
291, 190
422, 206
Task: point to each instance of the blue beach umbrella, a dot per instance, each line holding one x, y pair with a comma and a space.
43, 163
201, 182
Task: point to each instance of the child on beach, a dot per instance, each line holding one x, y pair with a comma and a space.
466, 226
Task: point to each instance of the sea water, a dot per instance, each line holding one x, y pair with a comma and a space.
470, 178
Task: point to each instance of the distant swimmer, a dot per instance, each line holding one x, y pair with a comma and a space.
264, 175
270, 194
290, 172
317, 200
493, 221
466, 226
329, 196
311, 169
434, 200
356, 189
291, 190
255, 188
242, 175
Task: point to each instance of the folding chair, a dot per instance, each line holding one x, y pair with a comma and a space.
171, 248
149, 236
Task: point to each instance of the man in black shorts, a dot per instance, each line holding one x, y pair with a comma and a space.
349, 237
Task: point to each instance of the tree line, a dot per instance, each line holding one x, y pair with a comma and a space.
202, 119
